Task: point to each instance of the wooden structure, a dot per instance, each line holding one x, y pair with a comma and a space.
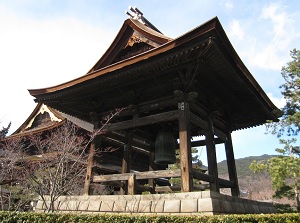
193, 85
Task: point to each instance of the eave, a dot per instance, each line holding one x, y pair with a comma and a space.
206, 39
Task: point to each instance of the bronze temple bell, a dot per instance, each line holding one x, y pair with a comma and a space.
165, 146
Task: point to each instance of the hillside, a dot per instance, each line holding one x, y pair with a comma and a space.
242, 165
252, 186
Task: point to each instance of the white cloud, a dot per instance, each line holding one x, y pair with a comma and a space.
36, 54
235, 30
278, 17
279, 102
228, 5
270, 36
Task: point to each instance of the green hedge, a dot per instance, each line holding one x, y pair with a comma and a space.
27, 217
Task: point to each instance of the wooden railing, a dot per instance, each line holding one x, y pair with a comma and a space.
131, 179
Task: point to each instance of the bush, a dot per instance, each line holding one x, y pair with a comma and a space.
28, 217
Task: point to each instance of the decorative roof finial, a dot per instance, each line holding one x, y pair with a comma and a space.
137, 14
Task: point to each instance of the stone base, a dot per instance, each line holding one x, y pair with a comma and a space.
204, 202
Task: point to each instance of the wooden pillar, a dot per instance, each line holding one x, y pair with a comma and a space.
88, 174
185, 147
126, 162
152, 167
90, 161
235, 191
211, 156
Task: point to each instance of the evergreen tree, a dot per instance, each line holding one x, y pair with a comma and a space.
285, 168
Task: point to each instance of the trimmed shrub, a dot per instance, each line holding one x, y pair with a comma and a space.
29, 217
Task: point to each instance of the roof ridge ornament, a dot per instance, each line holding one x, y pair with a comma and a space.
137, 15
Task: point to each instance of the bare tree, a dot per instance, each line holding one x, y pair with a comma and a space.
53, 163
12, 195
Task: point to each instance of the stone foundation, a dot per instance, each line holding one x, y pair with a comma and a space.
204, 202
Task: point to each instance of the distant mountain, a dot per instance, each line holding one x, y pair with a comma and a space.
242, 165
252, 186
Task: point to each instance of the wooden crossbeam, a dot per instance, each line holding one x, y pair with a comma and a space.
203, 142
201, 176
204, 125
138, 175
142, 121
225, 183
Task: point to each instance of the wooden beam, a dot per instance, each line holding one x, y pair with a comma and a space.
211, 156
203, 142
121, 140
90, 163
148, 120
138, 175
202, 176
185, 147
235, 191
205, 126
145, 107
225, 183
126, 161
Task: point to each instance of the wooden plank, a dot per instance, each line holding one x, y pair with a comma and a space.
235, 191
148, 120
158, 174
211, 157
139, 175
131, 184
185, 147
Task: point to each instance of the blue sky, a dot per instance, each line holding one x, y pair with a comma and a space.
47, 42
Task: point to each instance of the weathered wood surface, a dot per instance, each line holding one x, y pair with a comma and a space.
88, 174
185, 147
139, 175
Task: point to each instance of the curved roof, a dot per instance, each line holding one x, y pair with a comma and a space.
205, 53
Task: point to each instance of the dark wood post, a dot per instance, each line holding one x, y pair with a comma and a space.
211, 156
126, 162
90, 161
185, 147
235, 191
88, 174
